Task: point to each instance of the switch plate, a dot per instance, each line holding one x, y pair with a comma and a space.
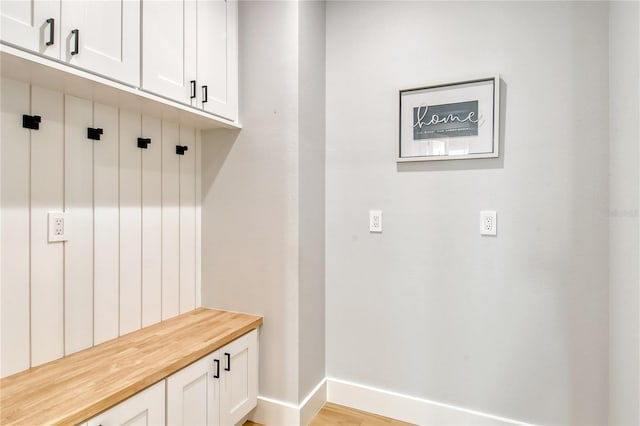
488, 222
375, 220
57, 227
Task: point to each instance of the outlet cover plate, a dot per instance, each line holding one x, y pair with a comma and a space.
57, 227
375, 220
488, 222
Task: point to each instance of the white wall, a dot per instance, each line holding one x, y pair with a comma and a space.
624, 184
263, 195
250, 195
312, 188
515, 325
132, 217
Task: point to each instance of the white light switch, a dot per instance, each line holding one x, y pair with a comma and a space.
375, 220
488, 222
57, 227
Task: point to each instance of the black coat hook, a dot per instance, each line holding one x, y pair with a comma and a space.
142, 143
31, 121
180, 149
94, 133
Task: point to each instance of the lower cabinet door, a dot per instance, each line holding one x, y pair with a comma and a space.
239, 380
192, 393
219, 389
144, 408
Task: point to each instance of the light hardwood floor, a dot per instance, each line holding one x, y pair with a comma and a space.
333, 414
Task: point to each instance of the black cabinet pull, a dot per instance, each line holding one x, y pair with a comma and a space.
205, 94
216, 375
193, 89
228, 356
76, 43
52, 23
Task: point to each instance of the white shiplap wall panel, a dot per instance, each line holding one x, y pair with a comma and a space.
15, 179
152, 222
170, 221
133, 223
47, 292
106, 225
78, 194
198, 178
130, 222
187, 221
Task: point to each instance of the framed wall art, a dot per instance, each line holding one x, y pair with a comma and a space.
450, 121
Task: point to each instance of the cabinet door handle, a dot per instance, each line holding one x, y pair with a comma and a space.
216, 375
193, 89
76, 43
52, 23
228, 356
205, 94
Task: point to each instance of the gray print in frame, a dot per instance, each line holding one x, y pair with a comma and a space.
450, 121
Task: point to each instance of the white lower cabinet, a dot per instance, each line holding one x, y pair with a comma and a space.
239, 378
219, 389
144, 408
193, 394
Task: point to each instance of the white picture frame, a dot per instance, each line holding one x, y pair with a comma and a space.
450, 121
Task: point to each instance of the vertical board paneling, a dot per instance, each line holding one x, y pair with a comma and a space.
152, 222
78, 194
47, 291
170, 221
133, 225
14, 275
106, 225
130, 223
187, 221
198, 158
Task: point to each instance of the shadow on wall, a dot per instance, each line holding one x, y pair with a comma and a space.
216, 146
472, 164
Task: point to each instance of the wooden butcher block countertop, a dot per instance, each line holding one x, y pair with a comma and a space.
79, 386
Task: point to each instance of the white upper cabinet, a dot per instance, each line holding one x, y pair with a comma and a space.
103, 37
218, 57
184, 51
169, 49
190, 53
33, 25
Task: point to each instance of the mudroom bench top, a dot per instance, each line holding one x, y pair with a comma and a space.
79, 386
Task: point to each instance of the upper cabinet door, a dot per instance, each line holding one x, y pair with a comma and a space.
218, 57
169, 49
32, 25
103, 36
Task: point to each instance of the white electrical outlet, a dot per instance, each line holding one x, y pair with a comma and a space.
375, 221
488, 222
57, 227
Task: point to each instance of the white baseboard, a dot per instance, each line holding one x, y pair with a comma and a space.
410, 409
313, 403
278, 413
273, 412
406, 408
